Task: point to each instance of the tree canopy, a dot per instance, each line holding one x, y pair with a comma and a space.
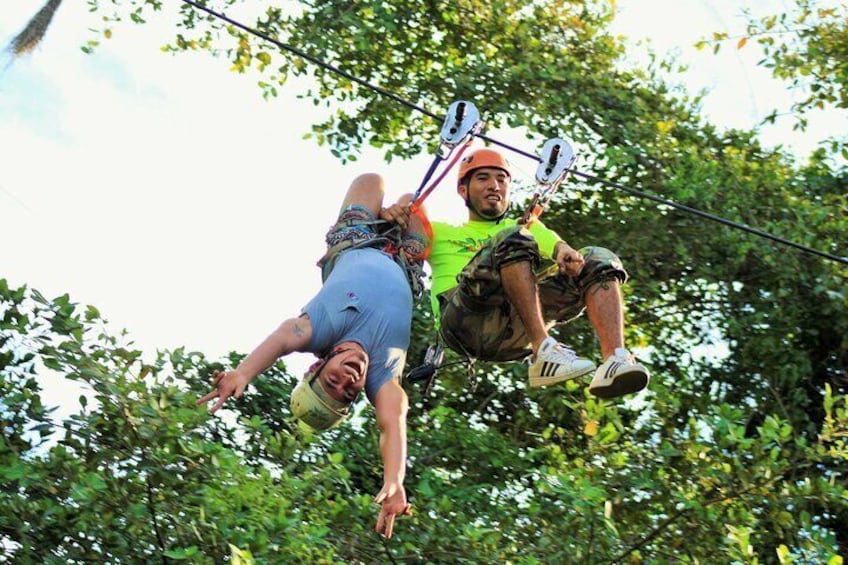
736, 454
807, 48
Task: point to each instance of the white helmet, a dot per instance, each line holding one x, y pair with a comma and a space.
313, 405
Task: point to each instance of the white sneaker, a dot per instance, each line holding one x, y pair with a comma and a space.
619, 375
555, 363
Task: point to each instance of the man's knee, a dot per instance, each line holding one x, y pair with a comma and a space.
368, 182
514, 245
366, 190
600, 265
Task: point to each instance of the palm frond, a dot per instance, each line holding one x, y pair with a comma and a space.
29, 38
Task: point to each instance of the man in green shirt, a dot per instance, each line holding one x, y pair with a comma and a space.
494, 300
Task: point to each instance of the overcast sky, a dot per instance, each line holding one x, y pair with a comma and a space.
166, 192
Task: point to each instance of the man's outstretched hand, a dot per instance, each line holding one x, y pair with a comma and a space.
392, 498
227, 384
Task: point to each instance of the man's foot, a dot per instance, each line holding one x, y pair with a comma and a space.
619, 375
555, 363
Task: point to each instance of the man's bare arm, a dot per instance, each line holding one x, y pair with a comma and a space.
291, 335
392, 404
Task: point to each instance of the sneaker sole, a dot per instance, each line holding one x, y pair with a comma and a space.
625, 383
536, 382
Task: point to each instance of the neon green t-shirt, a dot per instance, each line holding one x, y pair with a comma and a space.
453, 246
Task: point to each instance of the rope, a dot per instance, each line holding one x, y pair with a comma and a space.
312, 59
435, 183
408, 104
436, 160
713, 217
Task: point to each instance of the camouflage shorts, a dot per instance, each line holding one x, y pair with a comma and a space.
478, 320
357, 228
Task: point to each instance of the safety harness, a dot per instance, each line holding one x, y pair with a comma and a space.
461, 124
556, 160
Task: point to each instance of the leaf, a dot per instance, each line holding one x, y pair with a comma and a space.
240, 556
591, 428
782, 553
14, 472
51, 363
91, 313
183, 553
742, 43
42, 429
95, 481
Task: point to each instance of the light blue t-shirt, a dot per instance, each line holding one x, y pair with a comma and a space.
366, 299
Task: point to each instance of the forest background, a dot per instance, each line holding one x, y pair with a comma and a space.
736, 453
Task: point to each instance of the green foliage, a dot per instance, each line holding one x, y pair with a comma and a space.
807, 46
141, 473
498, 474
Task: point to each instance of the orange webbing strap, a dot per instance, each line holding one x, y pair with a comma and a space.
415, 210
533, 211
532, 216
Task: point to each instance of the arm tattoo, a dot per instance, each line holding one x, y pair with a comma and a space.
298, 331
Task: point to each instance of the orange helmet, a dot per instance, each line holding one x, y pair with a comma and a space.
482, 158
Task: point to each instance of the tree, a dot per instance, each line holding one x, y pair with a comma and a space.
34, 31
498, 474
807, 47
732, 457
141, 474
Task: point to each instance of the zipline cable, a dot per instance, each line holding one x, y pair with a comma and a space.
411, 105
312, 59
713, 217
683, 207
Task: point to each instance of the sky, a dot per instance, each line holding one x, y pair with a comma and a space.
167, 193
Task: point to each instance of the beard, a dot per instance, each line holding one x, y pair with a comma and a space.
493, 213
